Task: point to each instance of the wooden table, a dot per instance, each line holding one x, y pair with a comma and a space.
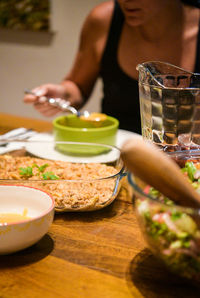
93, 254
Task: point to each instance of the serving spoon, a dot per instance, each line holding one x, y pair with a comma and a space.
96, 118
157, 169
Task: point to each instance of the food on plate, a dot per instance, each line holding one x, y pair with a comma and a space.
172, 232
78, 186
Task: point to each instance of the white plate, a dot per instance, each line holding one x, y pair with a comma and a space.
123, 135
49, 151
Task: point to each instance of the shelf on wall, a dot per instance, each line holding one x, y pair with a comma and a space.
27, 37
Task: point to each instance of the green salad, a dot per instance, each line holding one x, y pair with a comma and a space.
173, 235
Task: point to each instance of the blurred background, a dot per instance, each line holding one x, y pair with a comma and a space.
30, 58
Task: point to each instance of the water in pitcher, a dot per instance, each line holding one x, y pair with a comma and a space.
169, 105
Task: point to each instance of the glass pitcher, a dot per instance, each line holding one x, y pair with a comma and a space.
169, 105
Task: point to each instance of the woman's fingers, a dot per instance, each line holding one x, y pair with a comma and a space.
39, 96
41, 91
29, 98
46, 109
36, 94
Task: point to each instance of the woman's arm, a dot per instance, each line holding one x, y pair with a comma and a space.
93, 37
79, 82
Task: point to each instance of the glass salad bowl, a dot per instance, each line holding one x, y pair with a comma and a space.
172, 232
79, 176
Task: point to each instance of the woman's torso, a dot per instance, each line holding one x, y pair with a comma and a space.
121, 54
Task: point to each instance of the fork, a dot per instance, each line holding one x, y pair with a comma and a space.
16, 134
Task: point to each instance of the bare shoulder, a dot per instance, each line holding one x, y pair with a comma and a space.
98, 20
102, 13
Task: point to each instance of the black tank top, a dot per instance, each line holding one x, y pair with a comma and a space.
121, 95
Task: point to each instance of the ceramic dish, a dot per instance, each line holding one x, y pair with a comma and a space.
71, 128
85, 183
30, 212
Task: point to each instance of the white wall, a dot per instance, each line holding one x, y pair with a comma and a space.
30, 59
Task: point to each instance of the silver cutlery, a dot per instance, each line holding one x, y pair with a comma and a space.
60, 103
15, 135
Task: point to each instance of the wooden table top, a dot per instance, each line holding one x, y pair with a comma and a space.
93, 254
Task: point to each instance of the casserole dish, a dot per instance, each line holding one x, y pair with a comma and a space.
76, 180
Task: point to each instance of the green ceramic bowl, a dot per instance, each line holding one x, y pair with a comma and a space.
72, 129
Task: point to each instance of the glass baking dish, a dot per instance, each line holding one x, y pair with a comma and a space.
79, 176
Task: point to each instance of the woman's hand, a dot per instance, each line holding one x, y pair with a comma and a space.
67, 90
47, 90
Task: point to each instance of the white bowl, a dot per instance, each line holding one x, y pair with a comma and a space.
40, 210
